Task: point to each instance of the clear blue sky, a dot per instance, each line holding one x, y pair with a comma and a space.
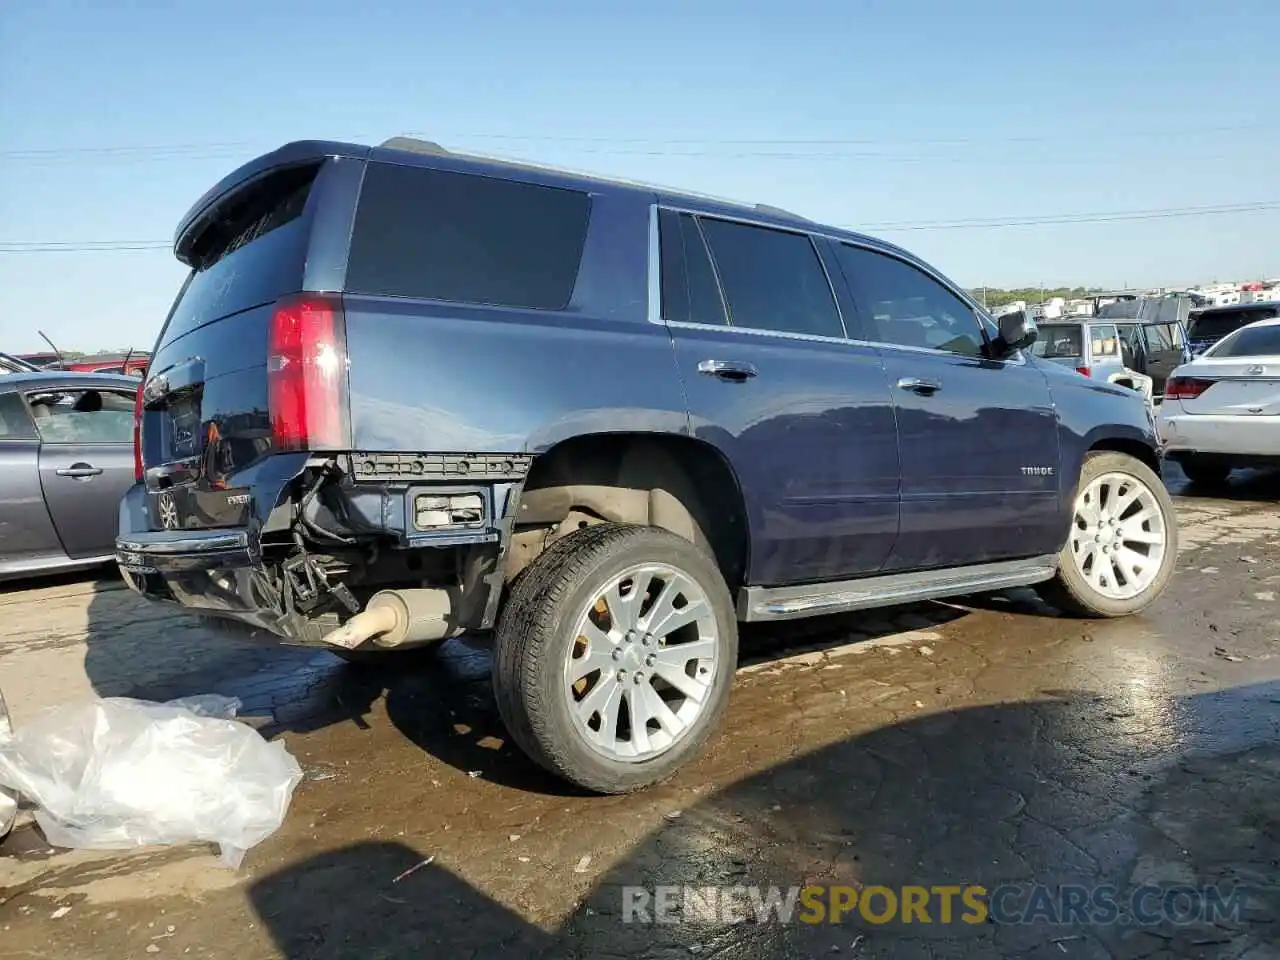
992, 108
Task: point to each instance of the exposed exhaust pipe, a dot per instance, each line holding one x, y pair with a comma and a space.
393, 618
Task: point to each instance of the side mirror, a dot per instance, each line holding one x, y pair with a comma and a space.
1017, 332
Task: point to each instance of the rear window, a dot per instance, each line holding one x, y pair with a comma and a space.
435, 235
253, 253
1213, 326
1058, 340
1250, 342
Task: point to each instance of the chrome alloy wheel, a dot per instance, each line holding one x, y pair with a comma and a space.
643, 662
1118, 536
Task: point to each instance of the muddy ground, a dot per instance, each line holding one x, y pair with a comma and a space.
985, 742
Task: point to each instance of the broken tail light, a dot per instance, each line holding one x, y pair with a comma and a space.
307, 375
1084, 371
138, 471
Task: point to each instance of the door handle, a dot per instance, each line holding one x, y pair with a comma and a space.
918, 385
734, 371
79, 471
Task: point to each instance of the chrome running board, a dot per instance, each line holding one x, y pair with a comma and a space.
817, 599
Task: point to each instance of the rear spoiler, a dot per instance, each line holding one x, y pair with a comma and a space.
296, 153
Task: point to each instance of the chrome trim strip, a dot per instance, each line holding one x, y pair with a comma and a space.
788, 603
654, 313
165, 543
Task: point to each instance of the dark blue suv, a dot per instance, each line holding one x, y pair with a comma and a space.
405, 394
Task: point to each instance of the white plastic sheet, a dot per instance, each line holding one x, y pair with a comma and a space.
118, 773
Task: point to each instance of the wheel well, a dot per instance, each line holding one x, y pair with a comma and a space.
677, 483
1134, 448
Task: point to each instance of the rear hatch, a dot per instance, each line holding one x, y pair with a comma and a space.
231, 381
1207, 328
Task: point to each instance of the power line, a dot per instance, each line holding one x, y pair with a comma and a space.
973, 223
1051, 219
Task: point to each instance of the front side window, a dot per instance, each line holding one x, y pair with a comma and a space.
1159, 337
82, 416
772, 279
906, 307
463, 238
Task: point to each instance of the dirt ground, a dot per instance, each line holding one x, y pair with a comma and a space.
985, 742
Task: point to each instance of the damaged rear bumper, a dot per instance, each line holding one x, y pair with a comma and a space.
227, 572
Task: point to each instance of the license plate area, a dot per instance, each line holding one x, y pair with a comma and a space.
183, 426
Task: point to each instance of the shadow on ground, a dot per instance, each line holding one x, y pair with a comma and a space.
1071, 789
430, 696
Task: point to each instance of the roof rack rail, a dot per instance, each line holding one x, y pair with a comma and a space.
779, 212
413, 145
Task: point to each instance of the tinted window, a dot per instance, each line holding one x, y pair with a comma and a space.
690, 293
467, 239
1250, 342
907, 307
251, 254
82, 416
772, 280
1212, 326
1057, 340
14, 422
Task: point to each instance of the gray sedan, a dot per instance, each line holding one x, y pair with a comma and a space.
66, 459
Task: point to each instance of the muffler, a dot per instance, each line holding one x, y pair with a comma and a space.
394, 618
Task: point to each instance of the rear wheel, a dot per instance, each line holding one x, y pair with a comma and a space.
1205, 471
614, 656
1123, 543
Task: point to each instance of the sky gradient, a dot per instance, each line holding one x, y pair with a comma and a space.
115, 118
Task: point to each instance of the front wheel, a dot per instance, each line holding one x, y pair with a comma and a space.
614, 656
1123, 543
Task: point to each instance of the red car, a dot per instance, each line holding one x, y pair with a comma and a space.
134, 365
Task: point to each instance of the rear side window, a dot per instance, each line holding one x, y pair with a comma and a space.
1105, 342
434, 235
251, 254
14, 422
690, 291
772, 279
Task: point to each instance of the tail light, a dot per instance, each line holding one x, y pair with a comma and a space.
307, 374
1084, 371
137, 436
1186, 388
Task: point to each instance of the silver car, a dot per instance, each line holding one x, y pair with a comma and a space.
66, 459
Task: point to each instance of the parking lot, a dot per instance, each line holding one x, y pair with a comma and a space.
980, 742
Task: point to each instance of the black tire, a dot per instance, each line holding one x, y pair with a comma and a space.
1205, 471
534, 635
1069, 591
